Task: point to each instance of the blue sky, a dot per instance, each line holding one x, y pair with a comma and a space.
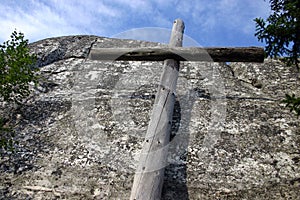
208, 22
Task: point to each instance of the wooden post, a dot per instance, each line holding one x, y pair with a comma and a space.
149, 176
216, 54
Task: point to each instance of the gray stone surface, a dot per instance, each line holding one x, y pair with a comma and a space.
81, 131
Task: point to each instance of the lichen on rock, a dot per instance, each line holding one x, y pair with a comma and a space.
81, 131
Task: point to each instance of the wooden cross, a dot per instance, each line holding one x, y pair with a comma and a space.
148, 179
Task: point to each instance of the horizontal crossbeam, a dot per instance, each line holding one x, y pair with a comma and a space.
220, 54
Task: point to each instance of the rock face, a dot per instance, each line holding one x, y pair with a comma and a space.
81, 131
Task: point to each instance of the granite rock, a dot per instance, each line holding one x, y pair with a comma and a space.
81, 130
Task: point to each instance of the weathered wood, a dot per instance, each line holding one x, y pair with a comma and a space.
148, 179
220, 54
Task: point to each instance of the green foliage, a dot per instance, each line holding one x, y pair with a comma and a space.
16, 73
281, 30
16, 68
281, 33
293, 103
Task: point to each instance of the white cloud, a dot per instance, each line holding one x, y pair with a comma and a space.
36, 21
148, 34
204, 19
210, 17
54, 18
184, 7
161, 20
136, 6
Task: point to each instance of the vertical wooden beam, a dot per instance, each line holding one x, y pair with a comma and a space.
149, 176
